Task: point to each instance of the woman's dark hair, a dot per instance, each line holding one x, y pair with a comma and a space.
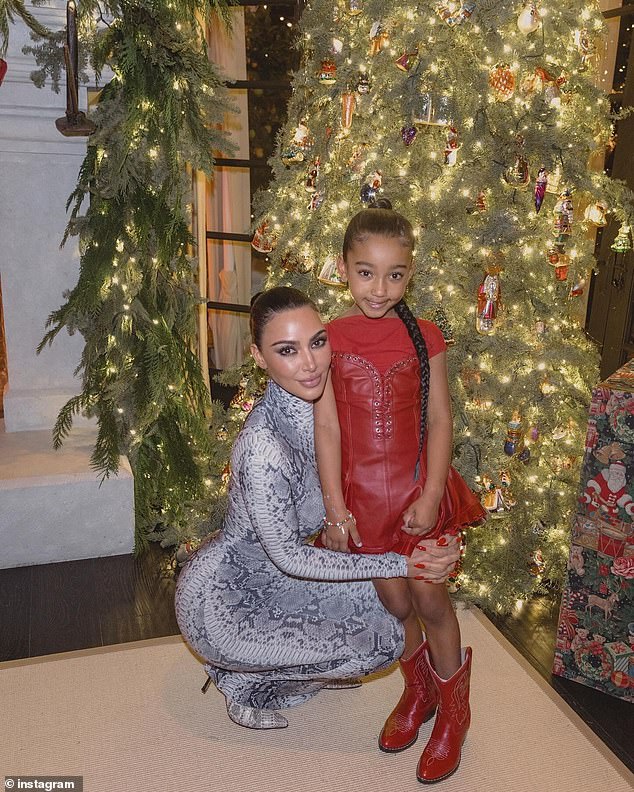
380, 220
266, 304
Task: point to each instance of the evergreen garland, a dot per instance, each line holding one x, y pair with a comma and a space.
135, 301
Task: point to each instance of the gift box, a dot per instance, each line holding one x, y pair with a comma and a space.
595, 636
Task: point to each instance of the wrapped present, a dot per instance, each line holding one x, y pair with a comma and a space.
595, 635
621, 654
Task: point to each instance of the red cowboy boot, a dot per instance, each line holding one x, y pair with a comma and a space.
416, 705
441, 756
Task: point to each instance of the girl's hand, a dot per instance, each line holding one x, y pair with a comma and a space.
434, 560
336, 537
421, 516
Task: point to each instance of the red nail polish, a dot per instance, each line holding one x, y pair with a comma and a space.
442, 542
419, 566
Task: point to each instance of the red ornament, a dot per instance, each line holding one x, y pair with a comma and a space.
502, 80
3, 69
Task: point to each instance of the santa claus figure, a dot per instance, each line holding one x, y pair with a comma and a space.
608, 491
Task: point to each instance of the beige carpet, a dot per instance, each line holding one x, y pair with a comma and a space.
133, 718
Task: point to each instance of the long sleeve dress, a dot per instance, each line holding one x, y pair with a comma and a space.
269, 613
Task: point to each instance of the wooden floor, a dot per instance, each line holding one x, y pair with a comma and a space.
99, 602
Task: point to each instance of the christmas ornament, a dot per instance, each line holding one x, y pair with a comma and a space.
378, 38
536, 565
408, 133
533, 433
489, 300
524, 455
313, 175
316, 200
554, 181
337, 46
355, 7
328, 72
371, 187
356, 162
595, 214
480, 204
502, 80
493, 498
455, 14
348, 103
363, 84
577, 288
560, 261
623, 242
264, 240
518, 176
451, 146
329, 274
585, 47
442, 323
423, 109
3, 69
540, 188
291, 155
505, 481
563, 214
407, 60
302, 137
513, 434
529, 19
441, 111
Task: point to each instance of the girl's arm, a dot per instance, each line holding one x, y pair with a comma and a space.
421, 516
328, 453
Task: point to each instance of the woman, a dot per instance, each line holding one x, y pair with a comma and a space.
257, 602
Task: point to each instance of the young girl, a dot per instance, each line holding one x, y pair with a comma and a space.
383, 431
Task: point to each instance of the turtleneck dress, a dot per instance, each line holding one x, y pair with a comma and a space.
270, 614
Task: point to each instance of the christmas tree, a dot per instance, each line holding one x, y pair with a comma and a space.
478, 122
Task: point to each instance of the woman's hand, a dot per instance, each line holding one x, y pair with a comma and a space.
421, 516
335, 537
434, 560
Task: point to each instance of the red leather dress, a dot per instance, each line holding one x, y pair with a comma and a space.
376, 380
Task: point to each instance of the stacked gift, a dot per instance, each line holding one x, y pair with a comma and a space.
595, 638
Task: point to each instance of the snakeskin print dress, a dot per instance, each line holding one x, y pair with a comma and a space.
271, 615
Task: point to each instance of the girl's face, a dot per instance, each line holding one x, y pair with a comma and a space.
377, 271
295, 352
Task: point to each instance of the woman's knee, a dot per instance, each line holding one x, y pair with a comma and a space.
395, 598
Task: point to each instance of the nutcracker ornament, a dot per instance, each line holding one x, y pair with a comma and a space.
563, 215
623, 241
541, 182
480, 204
363, 84
489, 300
371, 187
585, 47
514, 434
529, 20
316, 200
502, 80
